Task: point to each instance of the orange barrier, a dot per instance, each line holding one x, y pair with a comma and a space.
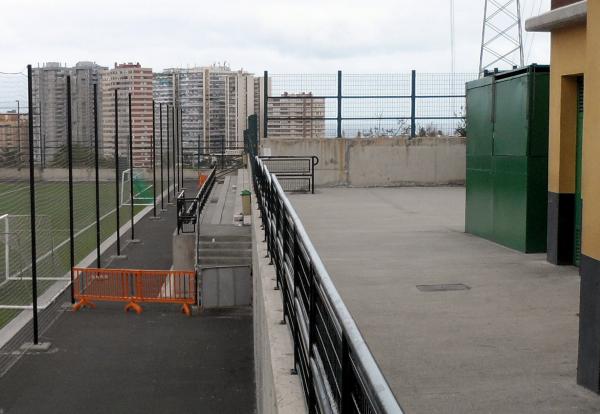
202, 179
134, 287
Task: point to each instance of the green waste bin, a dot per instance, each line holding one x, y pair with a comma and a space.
246, 211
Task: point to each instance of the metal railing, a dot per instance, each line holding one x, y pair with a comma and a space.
295, 173
337, 370
350, 105
189, 209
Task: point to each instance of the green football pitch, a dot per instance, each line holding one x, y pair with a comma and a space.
52, 233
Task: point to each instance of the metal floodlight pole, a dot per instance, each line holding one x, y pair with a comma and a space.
131, 194
32, 210
168, 160
96, 149
162, 177
70, 154
153, 159
117, 173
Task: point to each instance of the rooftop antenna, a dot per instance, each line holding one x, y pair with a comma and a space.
501, 36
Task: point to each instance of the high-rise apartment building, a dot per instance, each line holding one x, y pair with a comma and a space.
83, 77
49, 86
125, 79
14, 138
215, 103
296, 116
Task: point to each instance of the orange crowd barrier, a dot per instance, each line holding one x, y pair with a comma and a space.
202, 179
134, 287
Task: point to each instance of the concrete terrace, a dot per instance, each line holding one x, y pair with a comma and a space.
103, 360
508, 344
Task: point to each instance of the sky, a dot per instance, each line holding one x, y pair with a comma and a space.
281, 36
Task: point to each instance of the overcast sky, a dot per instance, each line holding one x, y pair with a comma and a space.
275, 35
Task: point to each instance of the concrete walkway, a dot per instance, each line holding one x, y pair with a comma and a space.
105, 361
506, 345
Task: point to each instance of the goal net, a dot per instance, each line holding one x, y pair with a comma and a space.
142, 189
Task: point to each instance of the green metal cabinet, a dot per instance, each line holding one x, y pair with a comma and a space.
507, 158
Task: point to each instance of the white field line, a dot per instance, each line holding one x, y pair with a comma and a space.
13, 191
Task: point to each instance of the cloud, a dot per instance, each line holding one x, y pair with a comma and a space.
278, 35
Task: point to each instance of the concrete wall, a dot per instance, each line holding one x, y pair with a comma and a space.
277, 391
380, 162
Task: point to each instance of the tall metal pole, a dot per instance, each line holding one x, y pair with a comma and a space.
413, 104
265, 104
131, 194
70, 153
174, 153
96, 149
32, 210
339, 105
162, 178
181, 146
18, 132
117, 174
168, 160
176, 145
153, 159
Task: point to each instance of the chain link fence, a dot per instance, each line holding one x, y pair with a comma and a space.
79, 195
364, 105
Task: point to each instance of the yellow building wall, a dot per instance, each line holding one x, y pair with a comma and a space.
591, 139
567, 62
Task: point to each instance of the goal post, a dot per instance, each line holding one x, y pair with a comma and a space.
15, 245
142, 189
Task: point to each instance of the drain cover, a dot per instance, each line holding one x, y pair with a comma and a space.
443, 288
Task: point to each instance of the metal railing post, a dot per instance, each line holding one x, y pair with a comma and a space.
413, 104
339, 104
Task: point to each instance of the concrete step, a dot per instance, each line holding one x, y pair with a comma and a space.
224, 261
225, 239
225, 253
205, 245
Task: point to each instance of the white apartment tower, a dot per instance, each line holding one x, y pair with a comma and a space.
299, 115
215, 103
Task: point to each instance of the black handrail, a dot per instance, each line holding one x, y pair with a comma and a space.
189, 209
293, 170
337, 369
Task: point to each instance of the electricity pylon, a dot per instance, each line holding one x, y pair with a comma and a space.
502, 36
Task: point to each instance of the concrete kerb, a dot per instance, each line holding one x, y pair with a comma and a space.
277, 390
